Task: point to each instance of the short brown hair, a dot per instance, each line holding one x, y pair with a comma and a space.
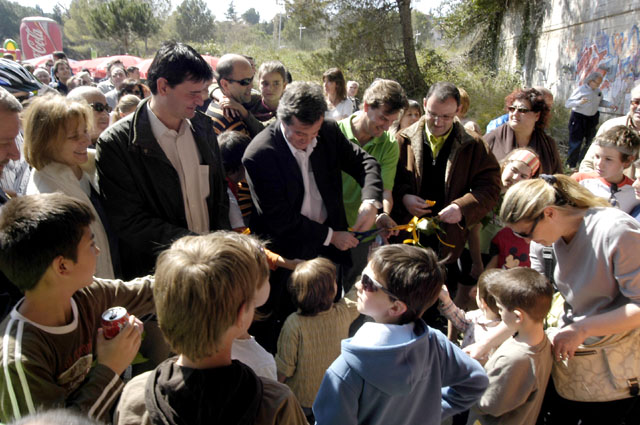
313, 286
483, 292
525, 289
535, 99
201, 284
621, 138
414, 275
386, 94
35, 229
46, 122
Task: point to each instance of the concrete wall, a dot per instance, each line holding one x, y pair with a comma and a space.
568, 39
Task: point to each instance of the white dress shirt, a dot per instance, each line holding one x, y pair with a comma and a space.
312, 204
194, 177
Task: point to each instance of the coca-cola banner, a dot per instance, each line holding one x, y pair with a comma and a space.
39, 36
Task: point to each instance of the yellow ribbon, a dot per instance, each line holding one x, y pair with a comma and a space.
412, 227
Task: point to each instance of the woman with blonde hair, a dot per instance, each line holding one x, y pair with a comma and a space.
56, 140
598, 274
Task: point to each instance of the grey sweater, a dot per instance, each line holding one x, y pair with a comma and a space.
598, 271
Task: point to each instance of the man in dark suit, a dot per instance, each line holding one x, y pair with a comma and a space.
294, 170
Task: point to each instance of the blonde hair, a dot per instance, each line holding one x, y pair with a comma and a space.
201, 284
465, 102
126, 105
527, 199
46, 122
313, 286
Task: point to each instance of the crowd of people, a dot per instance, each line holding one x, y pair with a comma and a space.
296, 254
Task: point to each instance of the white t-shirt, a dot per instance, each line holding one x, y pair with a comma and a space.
249, 352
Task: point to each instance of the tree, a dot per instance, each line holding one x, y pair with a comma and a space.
414, 75
10, 16
231, 14
120, 20
251, 17
146, 23
194, 21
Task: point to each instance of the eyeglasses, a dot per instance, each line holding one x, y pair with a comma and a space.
244, 82
533, 228
369, 284
520, 109
439, 117
100, 107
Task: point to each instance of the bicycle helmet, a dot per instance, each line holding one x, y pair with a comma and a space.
16, 79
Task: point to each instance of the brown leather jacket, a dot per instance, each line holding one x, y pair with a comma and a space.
472, 180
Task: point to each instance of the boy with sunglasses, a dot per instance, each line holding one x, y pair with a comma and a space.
397, 369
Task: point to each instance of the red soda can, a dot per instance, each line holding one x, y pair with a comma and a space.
113, 320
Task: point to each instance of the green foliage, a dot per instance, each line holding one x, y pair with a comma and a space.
194, 22
251, 17
475, 21
231, 13
122, 20
10, 16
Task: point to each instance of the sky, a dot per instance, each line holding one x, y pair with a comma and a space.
266, 8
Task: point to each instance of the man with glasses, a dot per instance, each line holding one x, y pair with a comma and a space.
98, 103
631, 120
159, 168
441, 162
234, 75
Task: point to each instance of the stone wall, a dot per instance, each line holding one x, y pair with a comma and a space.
557, 43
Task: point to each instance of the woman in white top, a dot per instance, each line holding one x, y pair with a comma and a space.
335, 91
56, 140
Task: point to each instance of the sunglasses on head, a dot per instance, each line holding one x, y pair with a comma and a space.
369, 284
519, 109
243, 82
100, 107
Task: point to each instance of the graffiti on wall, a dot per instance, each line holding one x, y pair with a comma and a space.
616, 55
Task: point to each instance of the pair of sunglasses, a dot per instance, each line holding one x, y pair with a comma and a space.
520, 109
100, 107
369, 284
244, 82
530, 232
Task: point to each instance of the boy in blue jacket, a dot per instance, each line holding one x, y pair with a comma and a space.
397, 369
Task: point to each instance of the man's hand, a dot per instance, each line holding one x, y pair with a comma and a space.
451, 214
118, 353
415, 205
383, 221
343, 240
366, 217
232, 109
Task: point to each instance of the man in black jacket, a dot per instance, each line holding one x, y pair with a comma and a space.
159, 169
294, 170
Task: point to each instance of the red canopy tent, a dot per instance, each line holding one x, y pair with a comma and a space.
98, 66
40, 61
